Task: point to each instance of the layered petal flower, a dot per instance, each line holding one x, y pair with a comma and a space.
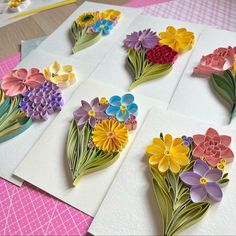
203, 182
168, 154
88, 18
212, 147
140, 40
179, 40
91, 112
122, 107
20, 80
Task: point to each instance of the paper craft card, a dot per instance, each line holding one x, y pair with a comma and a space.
194, 95
130, 206
118, 73
56, 178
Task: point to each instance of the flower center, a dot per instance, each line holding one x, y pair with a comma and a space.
203, 180
123, 109
167, 153
101, 26
110, 134
87, 18
92, 113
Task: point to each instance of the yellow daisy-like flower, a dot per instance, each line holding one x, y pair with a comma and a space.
63, 76
179, 40
88, 18
110, 14
110, 135
103, 101
168, 154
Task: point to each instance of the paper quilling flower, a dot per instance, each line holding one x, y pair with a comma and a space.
18, 81
96, 138
62, 76
220, 68
179, 40
89, 28
183, 185
150, 57
40, 102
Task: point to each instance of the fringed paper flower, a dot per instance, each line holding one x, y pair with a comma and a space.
122, 107
141, 40
110, 135
182, 193
212, 147
90, 27
168, 154
103, 26
18, 81
92, 112
161, 54
39, 103
217, 62
62, 76
203, 182
179, 40
95, 139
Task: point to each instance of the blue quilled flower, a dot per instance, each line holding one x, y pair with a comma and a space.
122, 107
103, 26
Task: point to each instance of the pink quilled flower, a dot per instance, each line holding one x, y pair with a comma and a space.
212, 147
18, 81
218, 61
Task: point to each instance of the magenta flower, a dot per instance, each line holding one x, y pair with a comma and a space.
145, 39
218, 61
213, 147
131, 123
90, 112
18, 81
203, 182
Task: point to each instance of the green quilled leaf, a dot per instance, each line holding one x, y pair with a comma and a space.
83, 38
12, 120
81, 159
144, 71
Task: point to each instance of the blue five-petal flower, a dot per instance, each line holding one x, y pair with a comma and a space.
103, 26
122, 107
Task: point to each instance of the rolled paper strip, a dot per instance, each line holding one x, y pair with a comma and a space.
40, 102
179, 40
141, 40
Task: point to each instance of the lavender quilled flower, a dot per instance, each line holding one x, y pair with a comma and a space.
145, 39
40, 102
203, 182
90, 112
187, 140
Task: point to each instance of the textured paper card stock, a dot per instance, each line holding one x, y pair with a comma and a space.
45, 166
130, 208
194, 96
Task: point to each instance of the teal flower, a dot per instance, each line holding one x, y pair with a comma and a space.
122, 107
103, 26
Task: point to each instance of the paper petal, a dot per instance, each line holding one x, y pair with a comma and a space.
200, 167
198, 193
190, 178
214, 191
213, 175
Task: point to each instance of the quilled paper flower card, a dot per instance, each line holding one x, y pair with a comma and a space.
151, 56
98, 133
29, 95
188, 174
90, 27
220, 67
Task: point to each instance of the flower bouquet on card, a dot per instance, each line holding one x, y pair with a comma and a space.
98, 133
187, 176
151, 57
90, 27
220, 68
29, 95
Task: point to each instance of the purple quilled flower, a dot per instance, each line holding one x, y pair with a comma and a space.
203, 182
90, 112
40, 102
187, 140
145, 39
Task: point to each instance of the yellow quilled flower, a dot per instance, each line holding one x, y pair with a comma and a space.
88, 18
110, 14
168, 154
63, 76
110, 135
179, 40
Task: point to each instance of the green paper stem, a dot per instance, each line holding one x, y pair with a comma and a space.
81, 159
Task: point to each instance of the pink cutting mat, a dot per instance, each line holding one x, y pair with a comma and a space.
30, 211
